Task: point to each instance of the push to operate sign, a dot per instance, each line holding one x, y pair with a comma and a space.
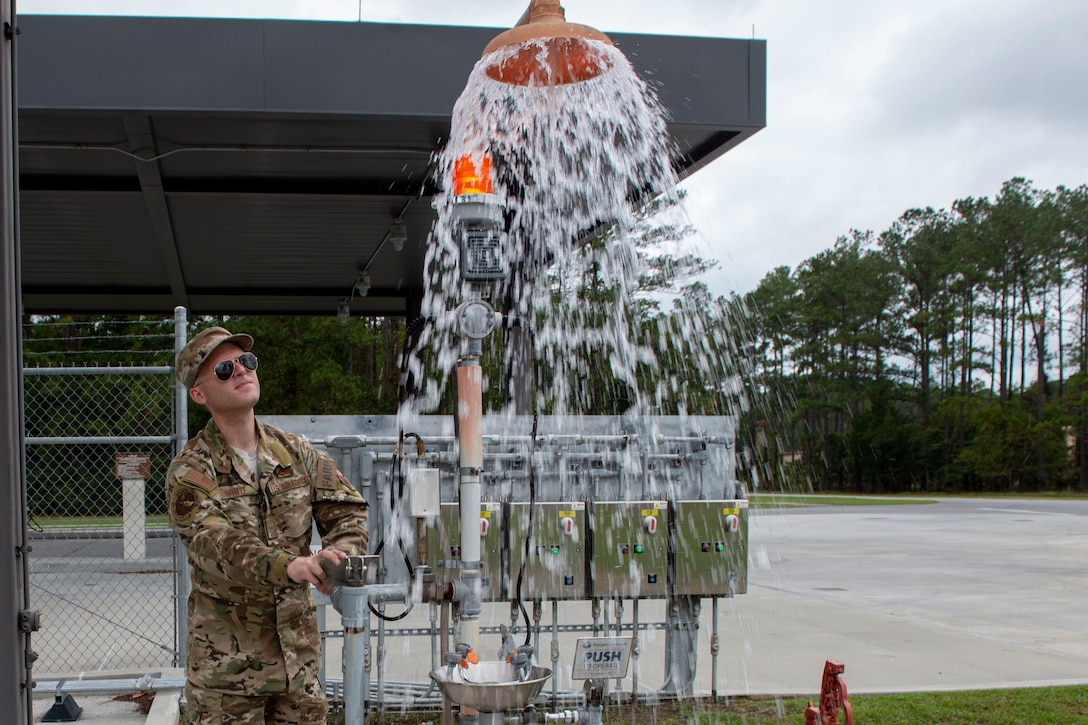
601, 657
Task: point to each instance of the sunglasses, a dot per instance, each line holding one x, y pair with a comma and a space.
225, 370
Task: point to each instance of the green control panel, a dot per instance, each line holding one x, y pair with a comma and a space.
555, 568
630, 549
711, 548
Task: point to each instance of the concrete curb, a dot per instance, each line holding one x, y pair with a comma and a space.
165, 710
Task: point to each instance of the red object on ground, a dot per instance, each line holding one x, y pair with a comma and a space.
832, 699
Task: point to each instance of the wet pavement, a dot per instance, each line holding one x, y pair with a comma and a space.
958, 594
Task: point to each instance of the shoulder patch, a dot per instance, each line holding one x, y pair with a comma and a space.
197, 478
184, 503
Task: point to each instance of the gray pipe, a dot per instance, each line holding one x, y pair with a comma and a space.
714, 648
353, 605
635, 647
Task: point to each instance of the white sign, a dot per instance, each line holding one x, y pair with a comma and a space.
601, 657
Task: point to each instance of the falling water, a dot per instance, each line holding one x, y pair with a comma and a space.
573, 166
579, 171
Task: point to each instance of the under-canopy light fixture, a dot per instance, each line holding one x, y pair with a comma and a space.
360, 288
552, 51
398, 234
362, 285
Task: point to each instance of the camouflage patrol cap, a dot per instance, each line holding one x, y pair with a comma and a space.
193, 355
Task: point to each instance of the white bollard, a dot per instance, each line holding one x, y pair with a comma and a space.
132, 498
133, 470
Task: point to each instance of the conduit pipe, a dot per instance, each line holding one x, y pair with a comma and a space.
471, 462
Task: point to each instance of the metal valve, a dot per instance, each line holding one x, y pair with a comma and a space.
353, 571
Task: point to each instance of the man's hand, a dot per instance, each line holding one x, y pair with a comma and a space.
307, 569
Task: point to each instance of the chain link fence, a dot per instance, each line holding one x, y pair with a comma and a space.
100, 432
101, 412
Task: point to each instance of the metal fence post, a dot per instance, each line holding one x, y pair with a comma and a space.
181, 435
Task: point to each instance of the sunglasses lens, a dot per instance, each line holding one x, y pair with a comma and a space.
225, 369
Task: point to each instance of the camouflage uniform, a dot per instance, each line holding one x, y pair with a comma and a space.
253, 632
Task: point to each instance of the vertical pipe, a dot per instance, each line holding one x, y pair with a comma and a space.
432, 609
383, 482
181, 396
714, 649
380, 705
619, 633
16, 658
354, 675
471, 460
538, 616
635, 645
181, 435
444, 644
606, 685
353, 603
555, 653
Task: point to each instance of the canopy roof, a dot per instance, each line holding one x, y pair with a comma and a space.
255, 166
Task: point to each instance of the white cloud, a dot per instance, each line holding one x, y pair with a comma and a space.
884, 107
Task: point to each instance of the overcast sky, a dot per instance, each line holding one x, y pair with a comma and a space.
874, 106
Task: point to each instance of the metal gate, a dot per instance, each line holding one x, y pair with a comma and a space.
98, 441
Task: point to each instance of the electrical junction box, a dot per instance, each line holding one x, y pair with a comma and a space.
481, 255
424, 495
711, 556
443, 543
555, 568
630, 549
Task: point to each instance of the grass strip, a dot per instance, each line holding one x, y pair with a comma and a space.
1039, 706
793, 500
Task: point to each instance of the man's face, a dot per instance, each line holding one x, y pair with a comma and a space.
239, 392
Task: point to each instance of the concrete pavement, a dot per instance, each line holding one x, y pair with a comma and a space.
958, 594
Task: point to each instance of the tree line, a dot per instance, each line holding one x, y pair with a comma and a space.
948, 352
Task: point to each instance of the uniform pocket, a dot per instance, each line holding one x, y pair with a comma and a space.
290, 509
202, 707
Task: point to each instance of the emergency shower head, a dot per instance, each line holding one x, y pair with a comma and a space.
550, 51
